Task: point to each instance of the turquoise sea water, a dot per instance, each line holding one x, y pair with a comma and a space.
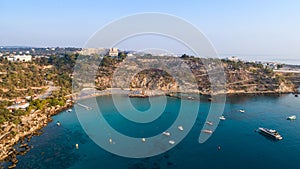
241, 146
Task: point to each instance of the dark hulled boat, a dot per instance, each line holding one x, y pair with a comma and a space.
271, 133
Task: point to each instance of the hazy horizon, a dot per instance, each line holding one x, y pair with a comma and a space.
260, 29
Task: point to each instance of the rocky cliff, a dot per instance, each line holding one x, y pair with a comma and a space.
239, 77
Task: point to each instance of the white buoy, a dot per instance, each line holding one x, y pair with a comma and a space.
76, 146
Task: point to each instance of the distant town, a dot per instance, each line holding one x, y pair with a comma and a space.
27, 54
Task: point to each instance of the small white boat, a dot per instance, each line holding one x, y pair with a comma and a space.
242, 111
207, 131
292, 117
110, 141
180, 128
210, 123
77, 146
69, 110
143, 140
166, 133
172, 142
58, 123
222, 118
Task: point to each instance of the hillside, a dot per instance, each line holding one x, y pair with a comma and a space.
240, 77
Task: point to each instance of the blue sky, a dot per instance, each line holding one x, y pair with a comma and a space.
269, 28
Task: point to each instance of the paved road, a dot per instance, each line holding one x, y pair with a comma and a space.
48, 91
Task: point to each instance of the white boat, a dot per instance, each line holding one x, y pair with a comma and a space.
269, 132
292, 117
172, 142
69, 110
242, 111
209, 123
166, 133
207, 131
58, 123
180, 128
222, 118
143, 140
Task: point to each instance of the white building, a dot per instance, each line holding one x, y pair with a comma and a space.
233, 59
113, 52
18, 106
22, 58
10, 58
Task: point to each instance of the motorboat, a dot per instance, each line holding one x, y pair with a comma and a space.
190, 98
222, 118
242, 111
207, 131
172, 142
180, 128
166, 133
292, 117
69, 110
270, 132
210, 123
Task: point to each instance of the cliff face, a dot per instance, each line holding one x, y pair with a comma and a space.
240, 78
154, 79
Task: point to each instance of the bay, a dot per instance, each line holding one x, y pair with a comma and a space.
240, 145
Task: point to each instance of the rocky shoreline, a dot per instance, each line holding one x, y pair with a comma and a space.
14, 138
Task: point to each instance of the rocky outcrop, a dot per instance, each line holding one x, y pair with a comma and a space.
30, 125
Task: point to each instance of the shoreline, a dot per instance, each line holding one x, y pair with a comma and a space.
15, 141
173, 94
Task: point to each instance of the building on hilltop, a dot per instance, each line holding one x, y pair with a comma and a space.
113, 52
18, 106
23, 58
233, 59
19, 58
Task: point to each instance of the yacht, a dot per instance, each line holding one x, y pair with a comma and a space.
207, 131
269, 132
166, 133
209, 123
222, 118
292, 117
172, 142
